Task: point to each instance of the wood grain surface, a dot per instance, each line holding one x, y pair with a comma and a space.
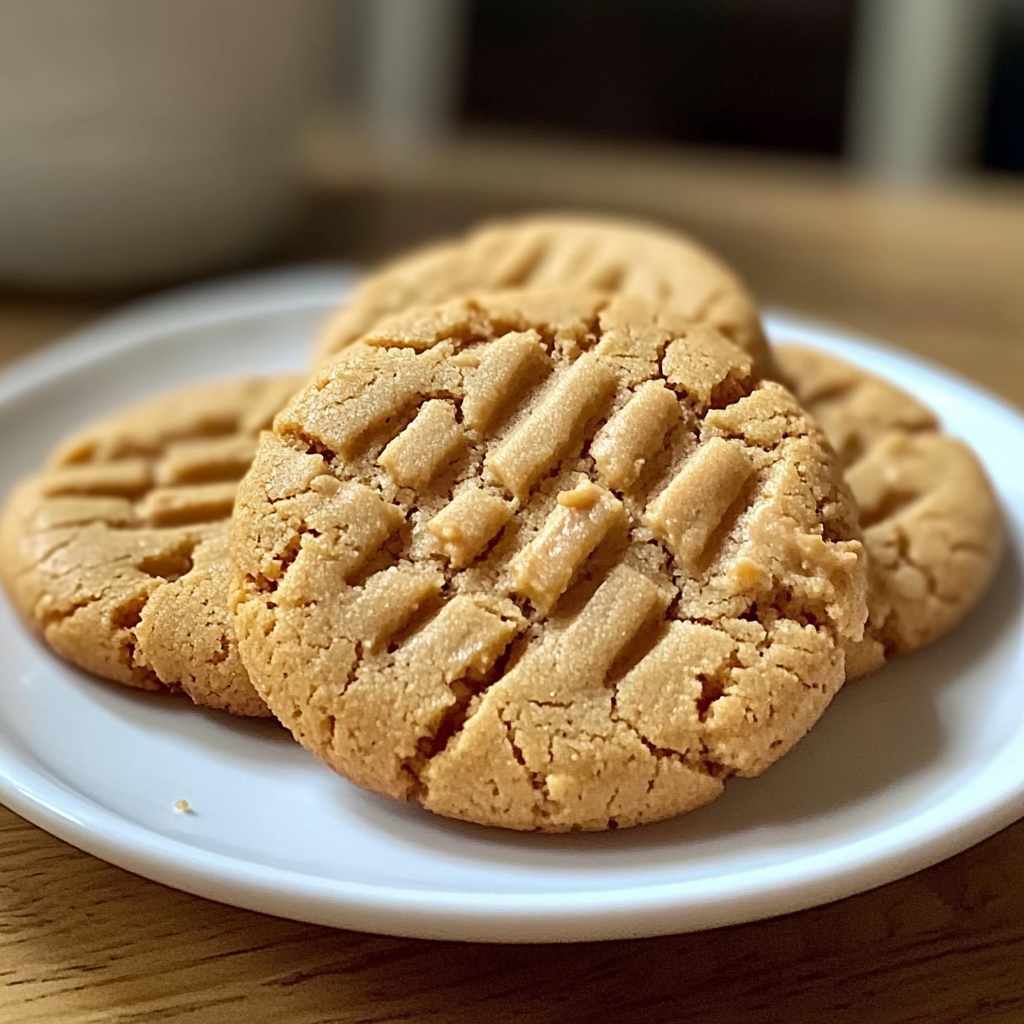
939, 273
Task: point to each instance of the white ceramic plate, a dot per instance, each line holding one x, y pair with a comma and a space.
906, 768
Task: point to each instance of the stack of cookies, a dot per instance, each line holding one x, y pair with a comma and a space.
550, 539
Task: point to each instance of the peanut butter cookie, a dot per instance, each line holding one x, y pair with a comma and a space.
546, 560
116, 552
606, 253
931, 521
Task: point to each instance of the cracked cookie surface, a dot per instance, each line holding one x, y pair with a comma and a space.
931, 521
116, 551
546, 560
580, 251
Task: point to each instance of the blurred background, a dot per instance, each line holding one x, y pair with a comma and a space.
856, 159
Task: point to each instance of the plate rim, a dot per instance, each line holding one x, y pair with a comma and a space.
581, 915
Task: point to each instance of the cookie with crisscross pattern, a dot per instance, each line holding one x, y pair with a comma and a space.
116, 551
547, 560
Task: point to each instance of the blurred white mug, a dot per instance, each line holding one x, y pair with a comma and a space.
143, 140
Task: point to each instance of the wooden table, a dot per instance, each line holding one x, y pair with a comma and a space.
940, 273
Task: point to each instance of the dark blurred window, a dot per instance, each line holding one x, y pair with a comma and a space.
1003, 145
725, 72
